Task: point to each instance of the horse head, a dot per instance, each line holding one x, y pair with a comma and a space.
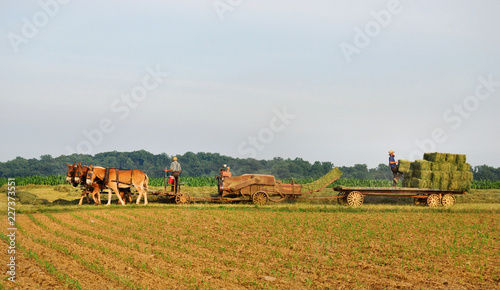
70, 175
90, 175
79, 173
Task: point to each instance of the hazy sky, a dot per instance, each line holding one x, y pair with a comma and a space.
338, 81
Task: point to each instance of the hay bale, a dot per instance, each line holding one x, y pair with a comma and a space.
452, 158
462, 176
463, 167
419, 183
444, 184
443, 166
435, 185
404, 165
407, 179
422, 174
435, 157
460, 180
459, 184
436, 166
461, 159
443, 171
470, 176
437, 176
421, 165
322, 181
453, 185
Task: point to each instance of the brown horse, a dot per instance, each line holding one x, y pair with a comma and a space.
70, 175
117, 179
95, 188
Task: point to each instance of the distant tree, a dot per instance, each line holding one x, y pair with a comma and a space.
129, 164
204, 164
485, 172
382, 171
316, 169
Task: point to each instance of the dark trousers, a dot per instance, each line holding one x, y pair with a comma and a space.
174, 186
396, 174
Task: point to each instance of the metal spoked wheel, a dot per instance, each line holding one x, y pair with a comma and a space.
448, 200
260, 198
433, 200
354, 198
182, 198
343, 199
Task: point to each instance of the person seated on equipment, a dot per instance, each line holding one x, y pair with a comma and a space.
176, 169
224, 171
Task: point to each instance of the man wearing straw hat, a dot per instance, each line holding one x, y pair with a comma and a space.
176, 169
394, 168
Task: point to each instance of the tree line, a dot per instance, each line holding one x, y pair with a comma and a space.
204, 164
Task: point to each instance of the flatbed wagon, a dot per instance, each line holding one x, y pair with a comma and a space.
353, 196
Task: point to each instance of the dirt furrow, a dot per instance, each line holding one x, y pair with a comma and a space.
117, 263
64, 263
182, 267
29, 273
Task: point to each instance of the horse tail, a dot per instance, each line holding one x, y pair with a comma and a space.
145, 183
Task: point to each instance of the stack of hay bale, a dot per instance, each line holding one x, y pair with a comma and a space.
437, 171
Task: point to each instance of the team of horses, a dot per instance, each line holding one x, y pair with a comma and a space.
94, 179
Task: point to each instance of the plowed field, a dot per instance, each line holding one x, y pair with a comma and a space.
241, 246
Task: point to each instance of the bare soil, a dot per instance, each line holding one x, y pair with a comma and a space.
241, 247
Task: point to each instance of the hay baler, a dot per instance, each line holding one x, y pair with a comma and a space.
261, 188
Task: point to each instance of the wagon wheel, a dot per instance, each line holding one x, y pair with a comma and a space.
448, 200
260, 198
182, 198
343, 199
354, 198
433, 200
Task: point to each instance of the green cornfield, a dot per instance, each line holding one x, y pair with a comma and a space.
485, 184
37, 180
199, 181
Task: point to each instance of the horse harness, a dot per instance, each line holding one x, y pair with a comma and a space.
106, 177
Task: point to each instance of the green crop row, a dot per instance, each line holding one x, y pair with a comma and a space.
485, 184
199, 181
193, 181
38, 180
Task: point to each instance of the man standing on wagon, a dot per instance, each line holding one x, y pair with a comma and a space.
176, 169
394, 168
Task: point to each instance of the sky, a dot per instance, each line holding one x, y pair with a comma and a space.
330, 81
